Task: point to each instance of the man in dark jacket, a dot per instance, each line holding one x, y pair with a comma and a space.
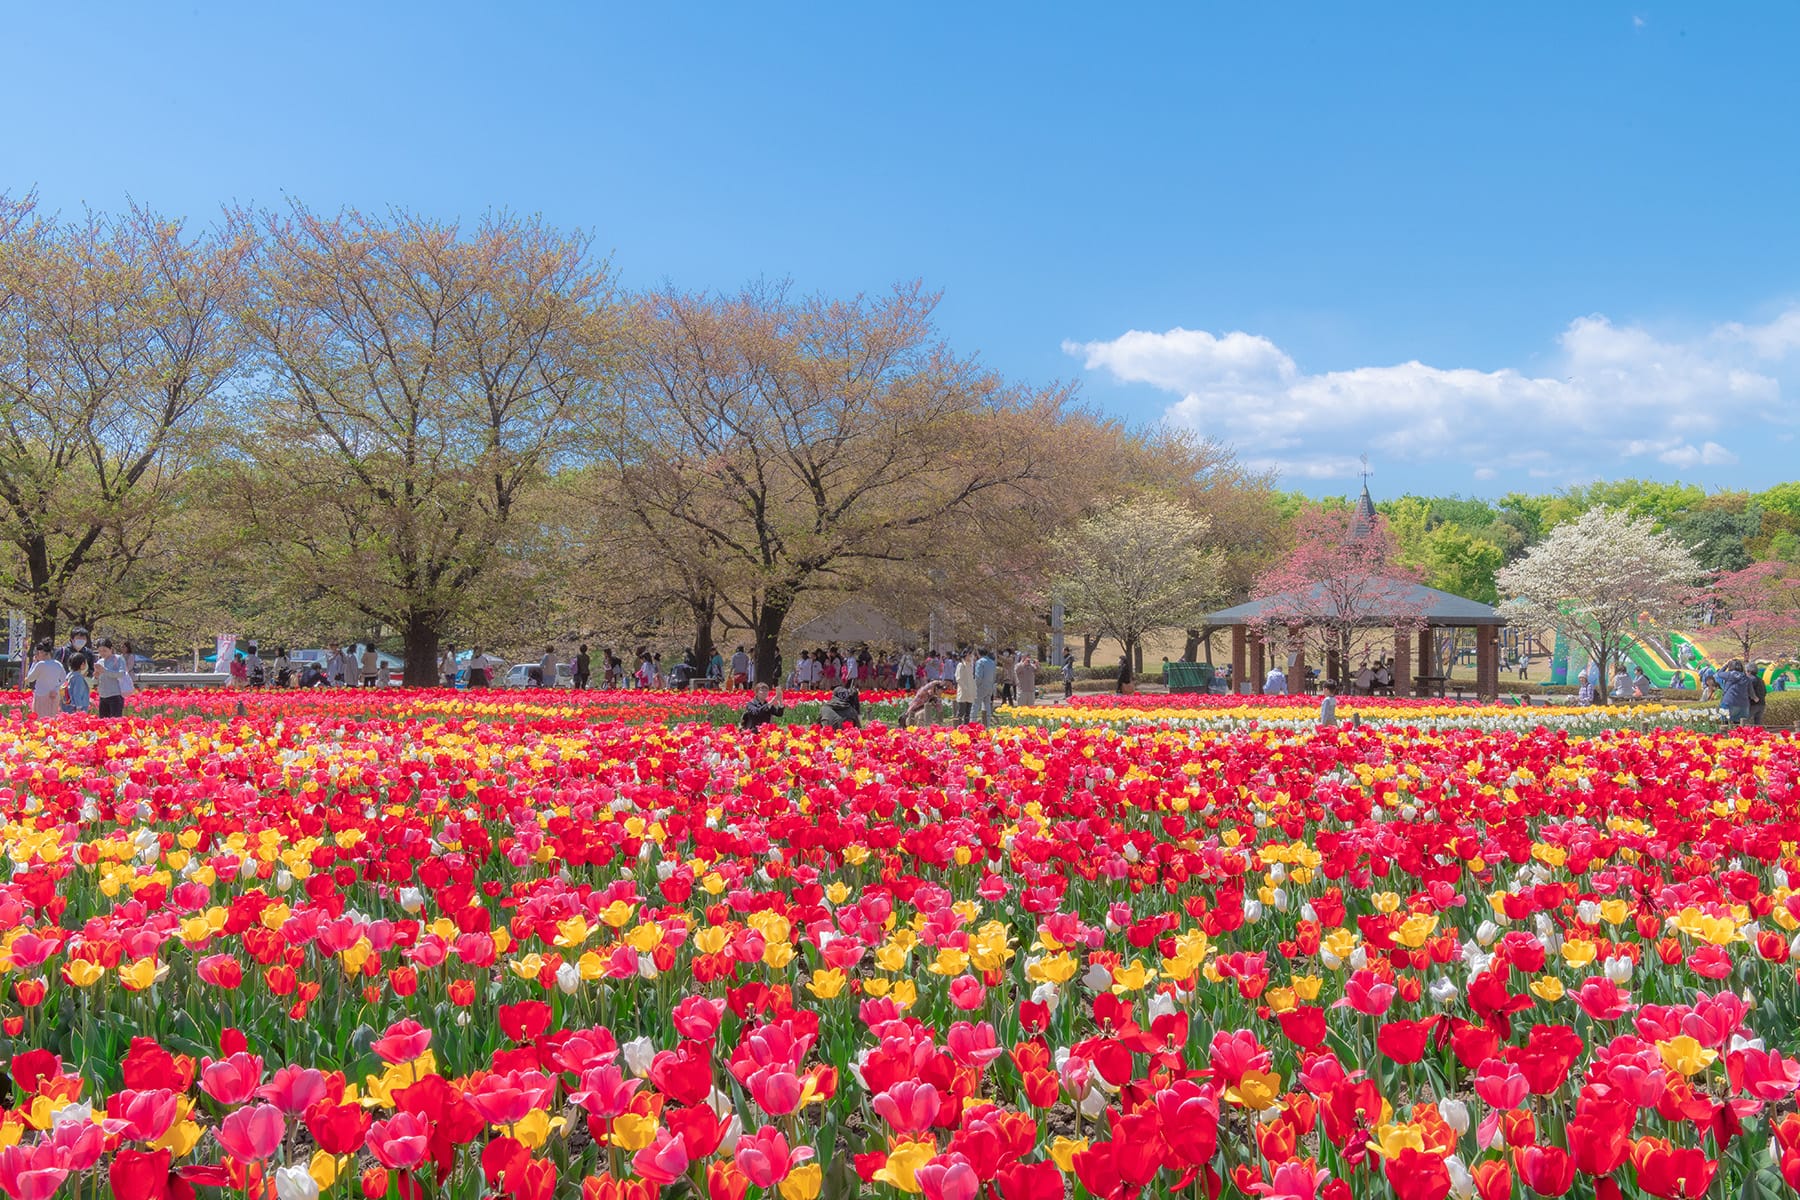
761, 710
1759, 694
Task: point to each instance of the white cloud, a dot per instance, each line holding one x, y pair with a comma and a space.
1614, 390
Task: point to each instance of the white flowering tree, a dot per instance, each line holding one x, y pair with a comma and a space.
1595, 578
1138, 566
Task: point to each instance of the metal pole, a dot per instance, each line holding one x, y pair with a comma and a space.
1056, 631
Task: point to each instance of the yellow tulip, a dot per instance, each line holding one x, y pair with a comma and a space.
573, 932
1686, 1054
1390, 1140
1547, 987
802, 1183
1063, 1151
83, 973
903, 1163
141, 974
826, 983
1257, 1089
324, 1169
633, 1132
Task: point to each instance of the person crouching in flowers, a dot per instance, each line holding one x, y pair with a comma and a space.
927, 705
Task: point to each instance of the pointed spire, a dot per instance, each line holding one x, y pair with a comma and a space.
1365, 507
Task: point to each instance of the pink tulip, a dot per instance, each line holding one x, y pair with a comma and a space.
252, 1134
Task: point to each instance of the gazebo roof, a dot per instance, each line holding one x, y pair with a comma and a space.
1412, 602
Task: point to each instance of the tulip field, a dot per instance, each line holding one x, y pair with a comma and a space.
598, 945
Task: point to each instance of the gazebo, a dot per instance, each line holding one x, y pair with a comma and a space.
1425, 609
1412, 610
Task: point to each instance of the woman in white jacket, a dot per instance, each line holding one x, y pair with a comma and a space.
965, 687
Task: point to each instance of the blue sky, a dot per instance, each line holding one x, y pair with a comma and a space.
1491, 246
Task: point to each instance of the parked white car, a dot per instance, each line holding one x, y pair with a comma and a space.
519, 676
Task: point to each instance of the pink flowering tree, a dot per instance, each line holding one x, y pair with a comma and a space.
1342, 585
1758, 608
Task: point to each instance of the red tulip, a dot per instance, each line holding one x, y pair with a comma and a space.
1546, 1170
140, 1175
1493, 1179
1417, 1175
1403, 1041
685, 1075
338, 1128
524, 1021
1305, 1026
1670, 1172
1030, 1181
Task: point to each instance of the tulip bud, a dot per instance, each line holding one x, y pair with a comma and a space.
568, 979
1455, 1114
412, 899
1487, 933
1462, 1184
1617, 969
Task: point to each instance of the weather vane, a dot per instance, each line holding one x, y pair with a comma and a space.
1365, 470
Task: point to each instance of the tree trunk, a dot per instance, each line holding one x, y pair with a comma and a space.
1208, 644
704, 612
421, 644
1191, 651
43, 602
1089, 643
1126, 658
769, 621
1137, 657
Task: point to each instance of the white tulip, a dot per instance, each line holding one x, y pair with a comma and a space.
638, 1053
295, 1183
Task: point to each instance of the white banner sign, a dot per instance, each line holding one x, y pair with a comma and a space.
226, 645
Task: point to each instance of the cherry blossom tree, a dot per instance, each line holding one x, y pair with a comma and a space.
1342, 582
1597, 578
1758, 608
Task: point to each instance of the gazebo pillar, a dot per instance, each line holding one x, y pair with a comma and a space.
1238, 661
1297, 676
1427, 651
1259, 669
1403, 672
1487, 662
